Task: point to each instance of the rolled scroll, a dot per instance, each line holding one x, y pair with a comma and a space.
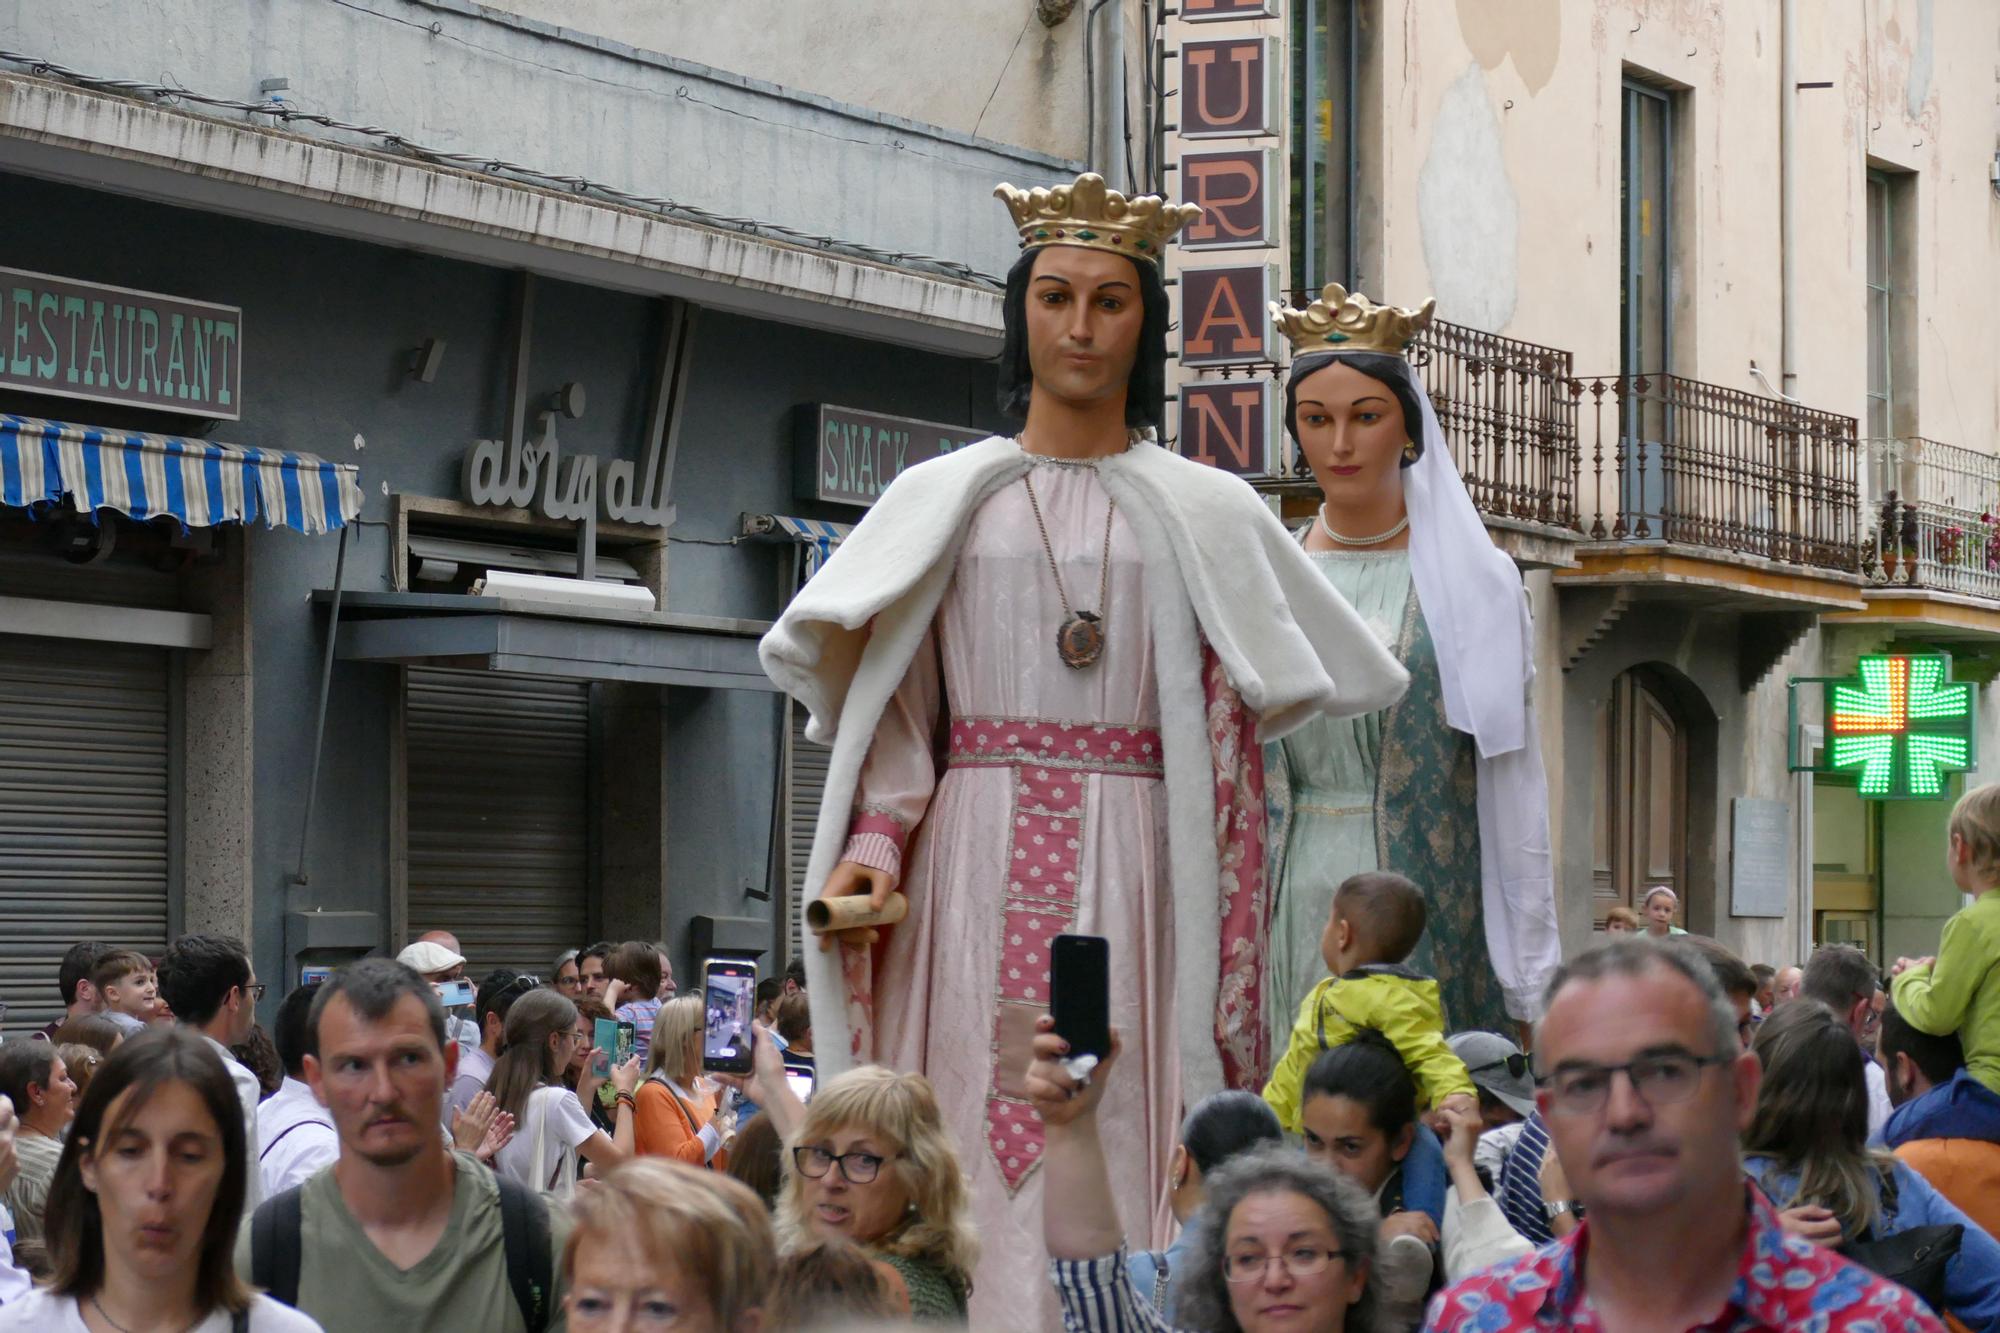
827, 916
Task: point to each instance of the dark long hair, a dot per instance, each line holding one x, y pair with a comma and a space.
525, 1062
1812, 1114
75, 1225
1145, 391
1226, 1123
1393, 371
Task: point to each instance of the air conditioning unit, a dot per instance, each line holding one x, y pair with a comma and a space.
564, 592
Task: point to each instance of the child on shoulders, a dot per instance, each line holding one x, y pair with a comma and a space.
1959, 990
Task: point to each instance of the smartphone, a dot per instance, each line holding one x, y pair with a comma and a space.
614, 1042
801, 1078
1080, 993
455, 994
729, 989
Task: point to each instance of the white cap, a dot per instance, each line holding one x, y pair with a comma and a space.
428, 956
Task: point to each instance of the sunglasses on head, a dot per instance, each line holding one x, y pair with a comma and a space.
1516, 1066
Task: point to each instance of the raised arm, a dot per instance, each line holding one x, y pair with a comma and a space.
1936, 998
1079, 1220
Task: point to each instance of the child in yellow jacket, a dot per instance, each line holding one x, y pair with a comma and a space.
1959, 990
1377, 919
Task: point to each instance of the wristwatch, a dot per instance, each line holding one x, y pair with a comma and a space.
1554, 1208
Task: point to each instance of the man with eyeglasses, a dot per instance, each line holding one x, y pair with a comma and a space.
1840, 977
496, 996
1645, 1088
208, 983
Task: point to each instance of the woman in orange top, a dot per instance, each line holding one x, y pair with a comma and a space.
675, 1118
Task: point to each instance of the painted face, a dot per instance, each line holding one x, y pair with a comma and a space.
591, 970
838, 1208
1636, 1153
155, 1178
567, 980
1352, 432
1286, 1230
1084, 316
383, 1082
1339, 1134
614, 1287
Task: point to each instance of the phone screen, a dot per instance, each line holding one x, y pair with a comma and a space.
729, 988
614, 1040
455, 994
1080, 993
801, 1081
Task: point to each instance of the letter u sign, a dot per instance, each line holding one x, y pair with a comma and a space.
1226, 87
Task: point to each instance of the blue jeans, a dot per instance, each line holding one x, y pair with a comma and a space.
1424, 1176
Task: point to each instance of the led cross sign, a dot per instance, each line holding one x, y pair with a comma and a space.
1900, 727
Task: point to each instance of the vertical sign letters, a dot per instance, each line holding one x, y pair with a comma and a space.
1234, 188
1223, 315
1227, 424
1226, 87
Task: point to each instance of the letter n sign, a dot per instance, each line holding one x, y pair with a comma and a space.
1233, 187
1199, 11
1227, 424
1223, 315
1226, 87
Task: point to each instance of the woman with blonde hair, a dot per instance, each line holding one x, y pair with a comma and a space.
676, 1118
536, 1048
872, 1164
658, 1244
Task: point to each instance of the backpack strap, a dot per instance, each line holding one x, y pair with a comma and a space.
275, 1250
524, 1231
296, 1124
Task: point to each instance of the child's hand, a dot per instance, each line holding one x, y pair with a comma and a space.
1464, 1103
1905, 964
1462, 1132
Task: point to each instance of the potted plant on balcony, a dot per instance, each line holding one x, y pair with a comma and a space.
1991, 527
1896, 539
1947, 544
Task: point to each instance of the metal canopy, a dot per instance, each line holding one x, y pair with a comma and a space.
499, 635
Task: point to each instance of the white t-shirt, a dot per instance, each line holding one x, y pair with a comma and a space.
43, 1311
295, 1136
251, 1093
556, 1114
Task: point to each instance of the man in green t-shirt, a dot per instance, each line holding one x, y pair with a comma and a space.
400, 1232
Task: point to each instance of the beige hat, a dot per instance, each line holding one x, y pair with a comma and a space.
428, 956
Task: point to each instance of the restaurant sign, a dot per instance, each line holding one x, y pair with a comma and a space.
849, 457
114, 345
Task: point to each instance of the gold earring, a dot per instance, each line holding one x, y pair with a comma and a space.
1410, 452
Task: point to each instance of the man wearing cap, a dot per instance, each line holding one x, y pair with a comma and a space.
1506, 1097
439, 962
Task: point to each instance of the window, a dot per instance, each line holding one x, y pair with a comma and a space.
1891, 296
1646, 295
1326, 42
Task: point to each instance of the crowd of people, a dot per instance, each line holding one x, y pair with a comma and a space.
1743, 1146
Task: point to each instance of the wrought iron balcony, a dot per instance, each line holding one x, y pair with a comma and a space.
1936, 511
1507, 410
1678, 461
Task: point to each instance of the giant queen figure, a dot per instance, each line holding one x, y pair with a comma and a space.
1045, 663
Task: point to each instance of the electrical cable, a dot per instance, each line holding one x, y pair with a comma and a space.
394, 141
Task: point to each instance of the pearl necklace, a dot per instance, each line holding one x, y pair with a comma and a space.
1375, 540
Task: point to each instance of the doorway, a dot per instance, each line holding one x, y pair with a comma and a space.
1640, 816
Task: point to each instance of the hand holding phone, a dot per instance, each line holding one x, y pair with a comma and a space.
729, 990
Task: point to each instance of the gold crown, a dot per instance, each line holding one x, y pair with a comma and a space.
1346, 321
1095, 218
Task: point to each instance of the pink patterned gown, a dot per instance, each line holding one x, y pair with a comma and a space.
1049, 816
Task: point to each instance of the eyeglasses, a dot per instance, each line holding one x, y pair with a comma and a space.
856, 1168
1516, 1066
255, 990
1658, 1080
1301, 1262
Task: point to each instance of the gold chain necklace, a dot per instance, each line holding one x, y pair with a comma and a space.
1080, 638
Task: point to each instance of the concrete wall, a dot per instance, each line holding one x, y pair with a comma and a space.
453, 76
1497, 175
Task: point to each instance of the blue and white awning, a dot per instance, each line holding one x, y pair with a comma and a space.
819, 537
196, 481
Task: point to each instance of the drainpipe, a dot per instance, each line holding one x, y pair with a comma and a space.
1788, 80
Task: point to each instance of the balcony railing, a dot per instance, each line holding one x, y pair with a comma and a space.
1508, 412
1936, 513
1695, 464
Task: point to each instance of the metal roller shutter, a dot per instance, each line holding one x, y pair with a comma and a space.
497, 782
85, 843
806, 783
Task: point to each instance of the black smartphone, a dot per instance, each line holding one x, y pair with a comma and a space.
729, 990
1080, 993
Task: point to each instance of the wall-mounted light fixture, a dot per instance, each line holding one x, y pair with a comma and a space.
425, 360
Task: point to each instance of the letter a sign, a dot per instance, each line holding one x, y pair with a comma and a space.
1226, 87
1223, 319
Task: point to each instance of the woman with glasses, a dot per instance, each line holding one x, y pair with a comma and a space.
1281, 1243
872, 1164
553, 1131
565, 977
677, 1116
1808, 1145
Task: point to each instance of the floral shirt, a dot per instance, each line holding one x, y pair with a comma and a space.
1783, 1283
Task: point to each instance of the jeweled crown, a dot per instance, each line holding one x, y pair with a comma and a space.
1344, 321
1085, 213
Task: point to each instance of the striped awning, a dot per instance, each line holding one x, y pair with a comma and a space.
198, 482
819, 537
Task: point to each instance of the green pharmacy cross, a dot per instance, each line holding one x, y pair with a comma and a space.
1900, 726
